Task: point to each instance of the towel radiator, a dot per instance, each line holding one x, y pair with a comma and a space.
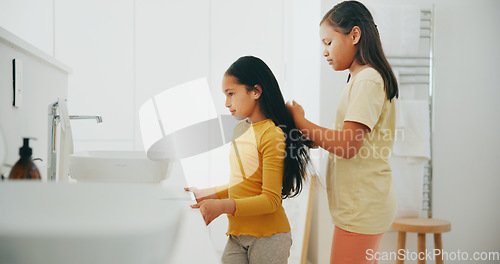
416, 73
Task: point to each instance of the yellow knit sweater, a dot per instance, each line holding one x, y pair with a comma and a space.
256, 162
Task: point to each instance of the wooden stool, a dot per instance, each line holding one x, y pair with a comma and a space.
421, 226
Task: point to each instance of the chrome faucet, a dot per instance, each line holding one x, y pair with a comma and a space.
54, 119
97, 118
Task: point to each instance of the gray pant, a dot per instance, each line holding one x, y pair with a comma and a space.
273, 249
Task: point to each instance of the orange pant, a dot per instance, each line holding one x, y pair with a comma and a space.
354, 248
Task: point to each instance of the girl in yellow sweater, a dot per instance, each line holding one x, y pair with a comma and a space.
268, 160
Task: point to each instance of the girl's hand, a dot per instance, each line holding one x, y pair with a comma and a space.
201, 194
211, 209
196, 193
296, 110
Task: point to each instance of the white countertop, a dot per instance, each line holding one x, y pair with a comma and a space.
100, 223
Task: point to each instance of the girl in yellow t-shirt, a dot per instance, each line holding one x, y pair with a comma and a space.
360, 191
268, 162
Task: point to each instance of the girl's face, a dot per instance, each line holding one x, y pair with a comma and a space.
340, 49
240, 102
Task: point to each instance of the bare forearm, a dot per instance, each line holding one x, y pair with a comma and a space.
318, 135
211, 209
229, 206
207, 193
341, 143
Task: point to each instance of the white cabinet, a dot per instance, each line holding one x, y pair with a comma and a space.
44, 81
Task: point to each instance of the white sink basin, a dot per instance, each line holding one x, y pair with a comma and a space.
94, 223
116, 166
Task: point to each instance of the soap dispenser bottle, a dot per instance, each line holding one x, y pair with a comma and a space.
25, 169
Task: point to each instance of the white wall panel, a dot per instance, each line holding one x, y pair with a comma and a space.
240, 28
172, 47
31, 20
96, 39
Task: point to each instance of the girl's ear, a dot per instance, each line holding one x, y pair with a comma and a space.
257, 92
355, 34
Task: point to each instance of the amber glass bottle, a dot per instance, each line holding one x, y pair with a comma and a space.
25, 169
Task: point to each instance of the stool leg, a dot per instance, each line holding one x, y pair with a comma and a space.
401, 245
438, 244
421, 248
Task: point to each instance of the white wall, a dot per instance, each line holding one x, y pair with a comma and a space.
467, 123
240, 28
124, 52
96, 38
31, 20
171, 47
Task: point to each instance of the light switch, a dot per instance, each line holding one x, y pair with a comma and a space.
17, 74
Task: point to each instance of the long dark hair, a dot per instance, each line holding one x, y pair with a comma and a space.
343, 17
251, 71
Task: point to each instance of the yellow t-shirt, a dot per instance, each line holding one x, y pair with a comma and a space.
361, 193
255, 181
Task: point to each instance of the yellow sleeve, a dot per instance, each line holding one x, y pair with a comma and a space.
366, 102
222, 191
272, 149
